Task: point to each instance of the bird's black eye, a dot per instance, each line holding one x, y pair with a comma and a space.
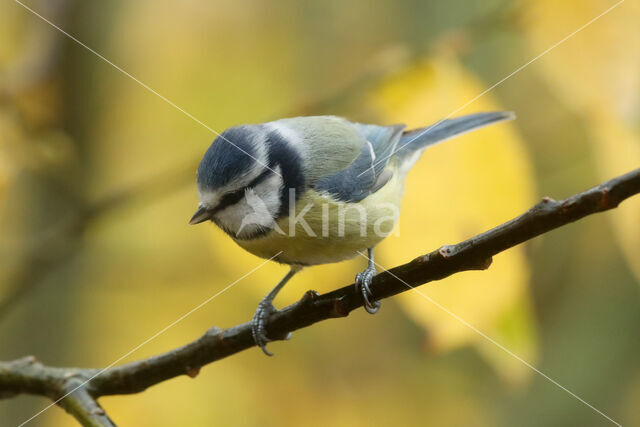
235, 196
230, 199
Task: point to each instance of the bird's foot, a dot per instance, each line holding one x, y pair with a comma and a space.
259, 324
363, 281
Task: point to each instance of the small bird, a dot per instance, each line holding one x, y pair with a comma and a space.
314, 190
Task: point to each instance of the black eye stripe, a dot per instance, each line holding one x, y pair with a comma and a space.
234, 197
229, 199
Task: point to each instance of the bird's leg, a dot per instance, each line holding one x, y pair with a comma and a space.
266, 309
363, 281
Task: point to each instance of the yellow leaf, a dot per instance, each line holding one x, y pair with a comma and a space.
599, 66
458, 189
598, 73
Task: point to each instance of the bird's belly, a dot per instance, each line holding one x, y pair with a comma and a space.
325, 231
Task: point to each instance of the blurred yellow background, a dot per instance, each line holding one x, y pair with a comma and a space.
97, 182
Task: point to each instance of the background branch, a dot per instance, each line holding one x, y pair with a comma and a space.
29, 376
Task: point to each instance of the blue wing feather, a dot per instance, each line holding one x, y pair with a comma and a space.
365, 174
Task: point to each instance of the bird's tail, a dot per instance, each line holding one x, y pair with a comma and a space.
418, 139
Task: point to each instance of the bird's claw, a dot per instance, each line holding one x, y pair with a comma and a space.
258, 325
363, 281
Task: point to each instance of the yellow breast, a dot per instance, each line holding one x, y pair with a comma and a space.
324, 230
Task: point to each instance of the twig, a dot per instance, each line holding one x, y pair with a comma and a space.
28, 376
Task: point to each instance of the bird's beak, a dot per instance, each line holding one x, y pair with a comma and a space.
201, 215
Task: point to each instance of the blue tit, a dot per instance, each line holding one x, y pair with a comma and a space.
314, 190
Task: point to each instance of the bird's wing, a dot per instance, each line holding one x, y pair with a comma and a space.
366, 174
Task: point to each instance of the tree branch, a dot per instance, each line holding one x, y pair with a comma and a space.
29, 376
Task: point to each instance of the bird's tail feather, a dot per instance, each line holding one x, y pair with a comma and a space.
418, 139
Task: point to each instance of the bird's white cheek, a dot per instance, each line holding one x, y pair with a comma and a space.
255, 212
269, 194
230, 218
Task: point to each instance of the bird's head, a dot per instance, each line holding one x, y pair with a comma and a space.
239, 186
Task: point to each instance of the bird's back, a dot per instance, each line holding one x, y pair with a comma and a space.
328, 144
